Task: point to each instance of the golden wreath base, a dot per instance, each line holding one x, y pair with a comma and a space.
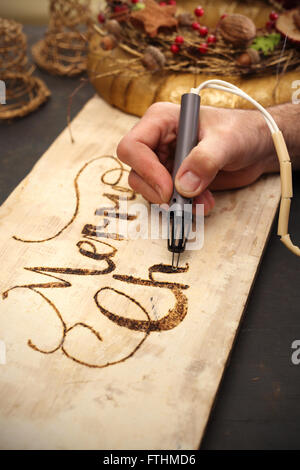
135, 95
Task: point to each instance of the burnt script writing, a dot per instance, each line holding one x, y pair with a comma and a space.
92, 246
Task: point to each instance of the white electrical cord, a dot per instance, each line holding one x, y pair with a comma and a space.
230, 88
282, 153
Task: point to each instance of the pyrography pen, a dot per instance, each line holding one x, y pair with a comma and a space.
180, 208
180, 211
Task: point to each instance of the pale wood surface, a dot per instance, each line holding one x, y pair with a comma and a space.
161, 396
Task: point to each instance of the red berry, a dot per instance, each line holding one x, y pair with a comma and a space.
172, 2
135, 1
199, 11
195, 25
270, 25
273, 16
120, 8
203, 48
174, 48
223, 16
179, 40
101, 18
203, 30
211, 39
162, 4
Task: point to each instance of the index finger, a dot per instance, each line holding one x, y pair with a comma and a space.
137, 149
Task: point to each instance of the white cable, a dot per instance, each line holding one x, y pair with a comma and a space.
230, 88
237, 92
282, 152
241, 93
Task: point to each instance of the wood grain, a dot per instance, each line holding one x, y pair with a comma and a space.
105, 348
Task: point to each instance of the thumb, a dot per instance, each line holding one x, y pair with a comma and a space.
199, 168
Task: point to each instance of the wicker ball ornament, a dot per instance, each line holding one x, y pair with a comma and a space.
23, 92
63, 50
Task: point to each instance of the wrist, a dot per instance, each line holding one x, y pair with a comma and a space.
264, 145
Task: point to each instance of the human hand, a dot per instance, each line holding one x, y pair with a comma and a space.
235, 148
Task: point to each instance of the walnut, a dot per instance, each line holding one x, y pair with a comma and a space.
237, 29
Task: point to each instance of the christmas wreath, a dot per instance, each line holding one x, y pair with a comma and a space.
150, 41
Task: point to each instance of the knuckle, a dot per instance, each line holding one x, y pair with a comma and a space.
211, 164
206, 162
158, 107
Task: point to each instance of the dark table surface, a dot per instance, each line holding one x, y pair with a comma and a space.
258, 403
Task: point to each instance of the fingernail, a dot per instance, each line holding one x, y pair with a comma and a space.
189, 182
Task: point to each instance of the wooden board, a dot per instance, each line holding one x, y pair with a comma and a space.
104, 347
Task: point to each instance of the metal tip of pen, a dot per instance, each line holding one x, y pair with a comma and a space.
175, 266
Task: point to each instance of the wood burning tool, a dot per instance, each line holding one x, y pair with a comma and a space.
180, 210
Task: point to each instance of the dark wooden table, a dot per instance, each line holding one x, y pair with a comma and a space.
258, 404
